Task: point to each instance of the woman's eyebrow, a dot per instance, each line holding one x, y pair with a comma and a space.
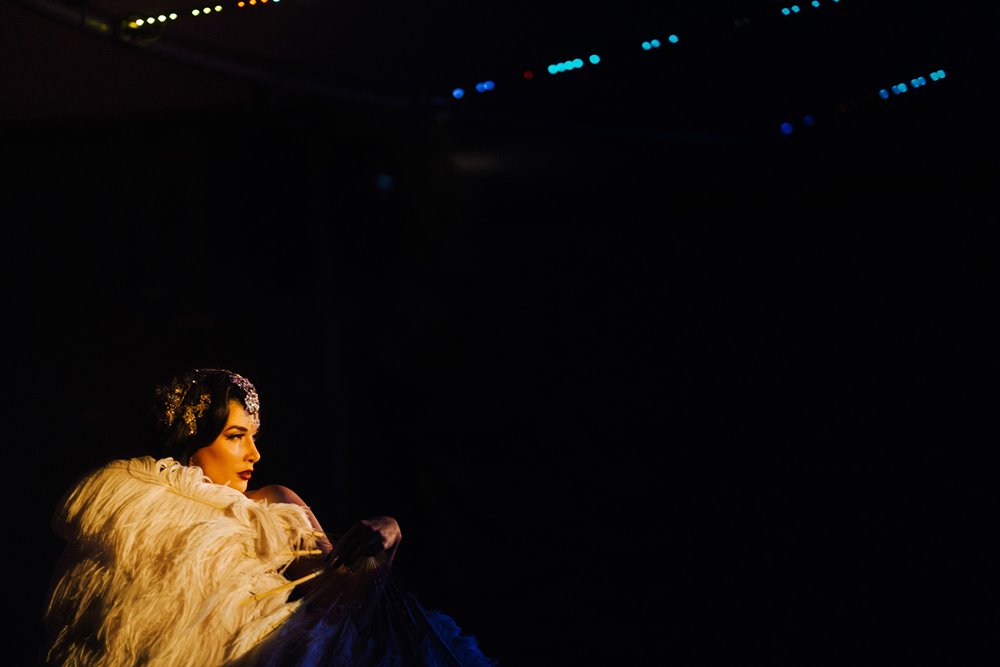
236, 426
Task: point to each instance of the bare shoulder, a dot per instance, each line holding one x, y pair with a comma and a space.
275, 493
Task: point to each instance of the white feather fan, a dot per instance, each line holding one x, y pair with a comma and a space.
166, 566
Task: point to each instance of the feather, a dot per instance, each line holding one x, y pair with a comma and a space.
361, 619
165, 559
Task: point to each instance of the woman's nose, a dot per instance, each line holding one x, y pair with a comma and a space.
253, 454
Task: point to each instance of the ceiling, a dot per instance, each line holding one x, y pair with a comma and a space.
736, 67
794, 94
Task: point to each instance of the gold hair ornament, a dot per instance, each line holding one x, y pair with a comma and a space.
174, 395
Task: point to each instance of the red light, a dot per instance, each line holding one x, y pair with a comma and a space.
529, 75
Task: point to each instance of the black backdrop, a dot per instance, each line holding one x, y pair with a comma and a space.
729, 408
697, 442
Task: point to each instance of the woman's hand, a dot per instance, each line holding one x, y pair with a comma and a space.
388, 528
369, 537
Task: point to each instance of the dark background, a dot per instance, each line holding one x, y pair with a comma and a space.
642, 378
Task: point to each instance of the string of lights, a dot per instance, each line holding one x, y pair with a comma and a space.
643, 51
782, 126
649, 44
148, 35
137, 22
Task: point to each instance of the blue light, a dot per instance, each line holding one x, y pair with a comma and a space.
566, 65
795, 8
488, 84
655, 43
594, 59
785, 11
673, 39
646, 46
458, 93
808, 120
384, 182
915, 82
815, 3
786, 128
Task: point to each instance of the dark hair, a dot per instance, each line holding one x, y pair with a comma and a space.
192, 409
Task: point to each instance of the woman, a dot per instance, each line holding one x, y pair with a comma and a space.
171, 561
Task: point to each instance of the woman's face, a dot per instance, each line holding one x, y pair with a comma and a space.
230, 458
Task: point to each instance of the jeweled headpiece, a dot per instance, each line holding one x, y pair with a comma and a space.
252, 400
175, 401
